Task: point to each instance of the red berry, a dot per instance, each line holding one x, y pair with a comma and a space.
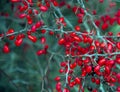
97, 69
63, 64
43, 40
43, 31
18, 42
97, 81
43, 8
30, 21
23, 15
30, 1
101, 62
38, 24
58, 86
51, 32
88, 69
107, 70
104, 26
77, 80
33, 28
82, 10
118, 21
55, 3
15, 1
77, 28
93, 80
74, 9
61, 41
118, 89
61, 19
97, 22
61, 70
32, 38
80, 20
73, 65
101, 1
40, 52
9, 32
118, 60
118, 45
6, 49
76, 38
57, 78
66, 90
113, 80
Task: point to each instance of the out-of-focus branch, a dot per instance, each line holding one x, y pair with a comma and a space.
10, 79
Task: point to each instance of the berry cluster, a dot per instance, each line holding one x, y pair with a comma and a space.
92, 57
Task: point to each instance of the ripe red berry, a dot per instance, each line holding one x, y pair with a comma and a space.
104, 26
18, 42
107, 70
47, 4
33, 28
77, 39
101, 1
15, 1
118, 89
57, 78
9, 32
43, 40
80, 62
97, 22
6, 49
55, 3
102, 61
30, 21
118, 60
58, 86
32, 38
86, 60
93, 80
73, 65
51, 32
38, 24
113, 80
77, 80
61, 41
30, 1
80, 20
77, 28
82, 11
97, 81
74, 9
97, 68
63, 64
66, 90
72, 84
23, 15
61, 19
43, 8
118, 45
88, 69
61, 70
40, 52
83, 72
118, 21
